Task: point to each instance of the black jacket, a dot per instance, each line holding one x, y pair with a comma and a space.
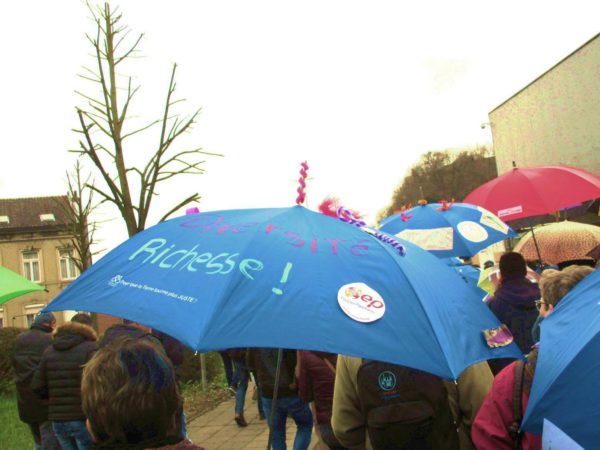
59, 376
29, 348
263, 361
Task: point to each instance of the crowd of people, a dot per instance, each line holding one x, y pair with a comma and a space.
76, 391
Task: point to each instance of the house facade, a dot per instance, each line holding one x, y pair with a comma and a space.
35, 241
555, 119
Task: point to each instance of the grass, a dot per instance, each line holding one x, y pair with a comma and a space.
197, 401
14, 434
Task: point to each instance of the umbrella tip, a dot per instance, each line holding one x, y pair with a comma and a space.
514, 165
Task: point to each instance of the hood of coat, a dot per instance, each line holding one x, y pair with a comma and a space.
72, 334
518, 292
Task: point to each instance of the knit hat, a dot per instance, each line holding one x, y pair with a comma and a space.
43, 318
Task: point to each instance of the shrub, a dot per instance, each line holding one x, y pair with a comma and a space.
191, 368
7, 348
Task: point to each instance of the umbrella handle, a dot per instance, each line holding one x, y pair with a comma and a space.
274, 402
537, 248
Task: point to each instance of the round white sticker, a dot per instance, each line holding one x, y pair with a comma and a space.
360, 302
472, 231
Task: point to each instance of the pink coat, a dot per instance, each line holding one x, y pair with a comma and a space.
490, 428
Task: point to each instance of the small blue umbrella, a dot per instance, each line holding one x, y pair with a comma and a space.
290, 278
468, 273
457, 229
565, 385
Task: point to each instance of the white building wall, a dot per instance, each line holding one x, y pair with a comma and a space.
555, 119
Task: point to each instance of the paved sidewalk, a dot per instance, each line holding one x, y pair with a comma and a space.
216, 429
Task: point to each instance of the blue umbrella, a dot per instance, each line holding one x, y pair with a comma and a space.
457, 229
290, 278
565, 386
468, 273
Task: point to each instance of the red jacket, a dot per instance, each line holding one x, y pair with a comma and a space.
315, 382
490, 428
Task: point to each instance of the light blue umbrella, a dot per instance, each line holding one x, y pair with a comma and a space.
565, 386
290, 278
444, 229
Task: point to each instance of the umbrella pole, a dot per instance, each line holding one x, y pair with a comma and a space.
537, 248
275, 389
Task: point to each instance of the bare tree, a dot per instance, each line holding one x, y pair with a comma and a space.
77, 211
104, 134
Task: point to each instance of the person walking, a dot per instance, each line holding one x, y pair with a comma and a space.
497, 424
58, 379
513, 304
316, 378
357, 413
264, 362
131, 398
29, 348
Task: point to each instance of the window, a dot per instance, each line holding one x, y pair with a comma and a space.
31, 311
31, 265
49, 217
68, 269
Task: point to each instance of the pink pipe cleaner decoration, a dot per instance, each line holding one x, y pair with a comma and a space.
302, 180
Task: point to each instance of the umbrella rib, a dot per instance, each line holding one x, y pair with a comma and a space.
392, 253
227, 286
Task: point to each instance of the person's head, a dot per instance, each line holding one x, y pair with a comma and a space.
44, 319
555, 284
129, 393
512, 264
83, 318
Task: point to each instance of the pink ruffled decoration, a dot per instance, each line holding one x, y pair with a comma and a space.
302, 180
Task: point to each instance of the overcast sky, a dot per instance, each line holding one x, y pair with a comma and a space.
359, 89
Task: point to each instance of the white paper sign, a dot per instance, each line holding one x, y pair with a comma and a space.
432, 239
510, 211
553, 438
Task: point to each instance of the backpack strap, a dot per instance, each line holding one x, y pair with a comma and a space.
328, 363
515, 428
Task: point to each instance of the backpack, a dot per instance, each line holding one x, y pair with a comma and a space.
405, 408
523, 379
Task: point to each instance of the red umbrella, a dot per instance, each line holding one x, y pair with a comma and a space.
535, 191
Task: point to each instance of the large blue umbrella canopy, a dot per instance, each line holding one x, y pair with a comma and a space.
290, 278
457, 229
565, 385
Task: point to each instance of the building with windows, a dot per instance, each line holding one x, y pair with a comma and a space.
36, 242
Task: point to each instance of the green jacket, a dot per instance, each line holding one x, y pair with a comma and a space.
348, 422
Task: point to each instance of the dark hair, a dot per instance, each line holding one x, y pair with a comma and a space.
83, 318
129, 393
512, 263
488, 264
